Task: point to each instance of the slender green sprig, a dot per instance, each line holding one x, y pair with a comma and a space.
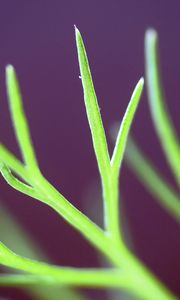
95, 121
44, 190
95, 279
92, 109
110, 188
118, 153
109, 169
20, 124
162, 121
108, 241
120, 145
152, 179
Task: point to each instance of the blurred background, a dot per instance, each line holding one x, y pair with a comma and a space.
37, 37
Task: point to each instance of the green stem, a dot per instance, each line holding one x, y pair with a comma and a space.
112, 201
90, 278
161, 118
130, 272
62, 276
19, 120
109, 244
72, 215
153, 180
142, 282
132, 276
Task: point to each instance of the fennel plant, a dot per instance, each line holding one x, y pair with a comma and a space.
127, 272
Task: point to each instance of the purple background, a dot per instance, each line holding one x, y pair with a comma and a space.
37, 37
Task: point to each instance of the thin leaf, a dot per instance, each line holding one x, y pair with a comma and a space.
153, 180
19, 119
162, 121
92, 109
113, 207
125, 127
96, 125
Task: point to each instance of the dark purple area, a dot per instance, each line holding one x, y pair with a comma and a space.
37, 37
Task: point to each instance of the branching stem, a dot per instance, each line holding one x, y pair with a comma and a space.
129, 273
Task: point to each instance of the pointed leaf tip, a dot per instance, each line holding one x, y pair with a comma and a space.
141, 82
139, 86
126, 123
151, 35
9, 69
77, 32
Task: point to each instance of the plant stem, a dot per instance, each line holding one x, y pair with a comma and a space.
111, 245
153, 180
130, 273
112, 202
142, 282
50, 274
19, 120
161, 118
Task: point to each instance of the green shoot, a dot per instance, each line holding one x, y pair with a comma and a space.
128, 272
125, 127
41, 188
92, 108
109, 170
159, 112
20, 122
95, 278
95, 121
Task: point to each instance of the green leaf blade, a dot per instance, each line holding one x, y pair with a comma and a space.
19, 119
161, 119
92, 109
122, 136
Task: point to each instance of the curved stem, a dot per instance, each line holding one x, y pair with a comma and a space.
160, 115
